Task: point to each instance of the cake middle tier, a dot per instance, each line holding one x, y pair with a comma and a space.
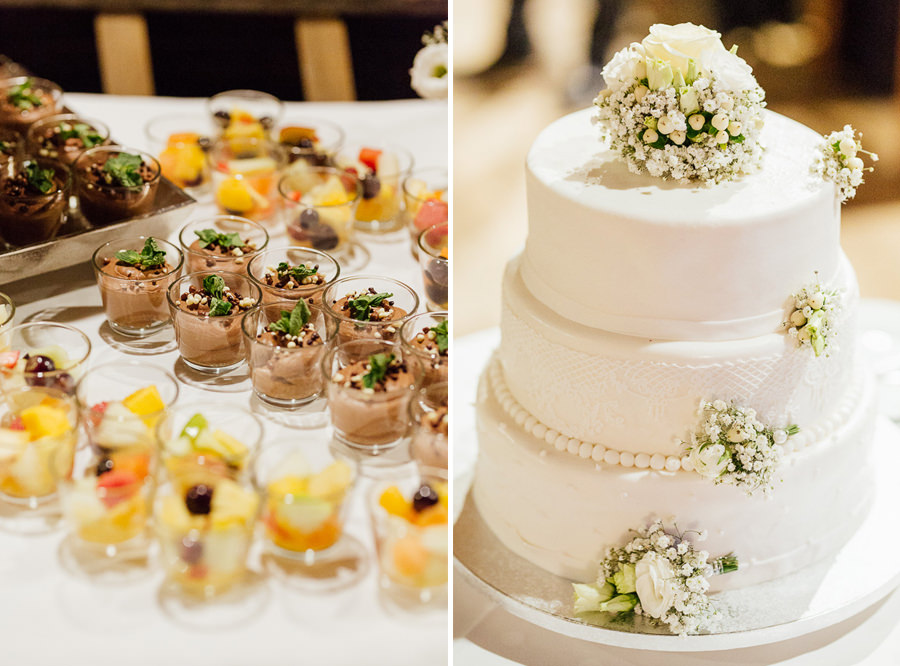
637, 395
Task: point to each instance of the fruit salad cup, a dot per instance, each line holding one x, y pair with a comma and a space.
65, 137
44, 354
221, 243
381, 169
245, 175
213, 438
241, 114
180, 142
311, 140
205, 522
292, 273
26, 99
368, 306
410, 522
318, 205
430, 418
34, 199
427, 201
38, 435
114, 183
304, 506
434, 258
427, 335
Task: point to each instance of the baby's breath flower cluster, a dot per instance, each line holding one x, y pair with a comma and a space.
839, 161
658, 575
440, 34
732, 446
429, 75
813, 316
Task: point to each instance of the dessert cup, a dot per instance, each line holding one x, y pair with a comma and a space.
280, 286
245, 174
312, 140
426, 201
29, 214
410, 523
102, 197
318, 205
370, 416
12, 147
180, 142
134, 299
211, 343
211, 438
26, 99
381, 169
423, 335
65, 137
434, 258
380, 322
201, 255
244, 113
429, 410
285, 371
44, 354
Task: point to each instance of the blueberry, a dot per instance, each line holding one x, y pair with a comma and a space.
425, 497
223, 117
105, 465
199, 499
323, 237
305, 143
191, 550
371, 186
309, 218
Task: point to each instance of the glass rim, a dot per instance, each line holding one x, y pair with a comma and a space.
101, 127
56, 324
5, 299
80, 165
245, 93
95, 263
45, 84
326, 296
398, 150
296, 445
335, 347
427, 248
273, 148
156, 138
212, 219
184, 278
422, 472
410, 325
289, 306
340, 173
57, 165
414, 173
94, 371
314, 122
255, 260
199, 407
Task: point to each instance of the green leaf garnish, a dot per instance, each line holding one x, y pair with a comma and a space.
123, 170
361, 306
39, 179
88, 135
291, 323
378, 367
441, 335
299, 271
22, 97
214, 286
150, 256
212, 237
219, 307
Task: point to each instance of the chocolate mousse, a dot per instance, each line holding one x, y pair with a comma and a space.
64, 138
429, 444
293, 281
115, 185
34, 200
219, 251
432, 345
285, 356
25, 100
372, 314
369, 400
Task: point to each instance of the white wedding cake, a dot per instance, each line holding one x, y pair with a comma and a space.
679, 350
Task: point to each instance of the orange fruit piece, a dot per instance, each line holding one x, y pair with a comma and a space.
394, 503
410, 556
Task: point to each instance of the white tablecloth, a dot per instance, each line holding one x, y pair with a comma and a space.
50, 616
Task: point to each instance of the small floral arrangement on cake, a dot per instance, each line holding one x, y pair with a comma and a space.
430, 73
813, 315
658, 575
732, 446
679, 105
839, 161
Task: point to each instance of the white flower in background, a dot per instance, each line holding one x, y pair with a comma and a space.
710, 461
813, 317
430, 73
838, 161
655, 585
681, 43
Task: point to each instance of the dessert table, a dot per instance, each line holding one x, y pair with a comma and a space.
55, 611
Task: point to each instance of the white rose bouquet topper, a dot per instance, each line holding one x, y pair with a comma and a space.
657, 575
431, 66
679, 105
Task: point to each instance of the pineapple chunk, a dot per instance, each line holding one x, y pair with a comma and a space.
145, 401
45, 421
232, 505
332, 481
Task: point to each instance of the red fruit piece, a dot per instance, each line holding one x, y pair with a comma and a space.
117, 478
16, 423
8, 359
116, 486
295, 196
369, 157
433, 211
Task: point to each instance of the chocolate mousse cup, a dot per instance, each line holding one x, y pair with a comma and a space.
292, 273
109, 189
430, 412
12, 145
133, 294
370, 410
34, 200
425, 335
210, 342
64, 137
26, 99
210, 244
344, 302
286, 370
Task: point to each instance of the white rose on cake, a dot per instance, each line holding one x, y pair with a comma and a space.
655, 585
429, 71
709, 461
732, 71
678, 44
626, 66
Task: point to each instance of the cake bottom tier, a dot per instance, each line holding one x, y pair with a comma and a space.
562, 512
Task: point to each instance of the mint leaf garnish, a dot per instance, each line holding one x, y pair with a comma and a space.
218, 307
441, 336
299, 271
212, 237
214, 286
39, 179
378, 367
23, 97
123, 170
291, 323
361, 306
88, 135
150, 256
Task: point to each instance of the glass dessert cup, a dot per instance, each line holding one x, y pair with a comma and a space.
213, 257
245, 174
278, 286
47, 94
44, 354
426, 200
134, 300
429, 411
211, 344
65, 137
369, 418
244, 113
318, 205
210, 438
381, 169
205, 523
434, 259
284, 376
12, 146
410, 523
344, 327
180, 142
103, 203
312, 140
28, 215
419, 338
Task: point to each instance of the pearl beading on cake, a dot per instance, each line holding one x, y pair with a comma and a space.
600, 454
